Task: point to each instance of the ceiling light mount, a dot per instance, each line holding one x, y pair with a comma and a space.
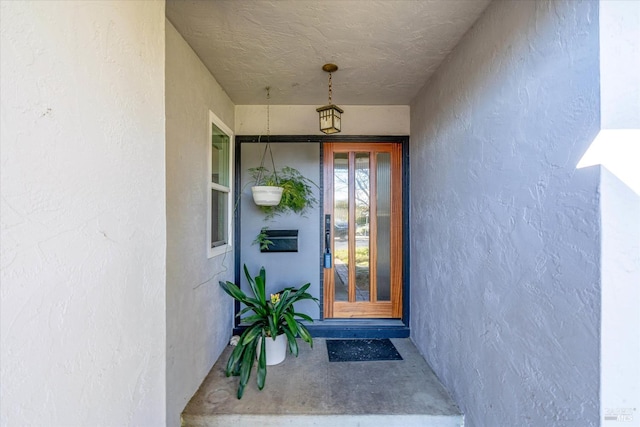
330, 68
330, 115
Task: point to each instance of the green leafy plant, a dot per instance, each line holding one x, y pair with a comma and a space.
262, 239
269, 318
297, 194
263, 176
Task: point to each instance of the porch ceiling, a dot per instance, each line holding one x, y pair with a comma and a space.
385, 49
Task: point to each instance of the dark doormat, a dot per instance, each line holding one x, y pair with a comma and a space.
361, 350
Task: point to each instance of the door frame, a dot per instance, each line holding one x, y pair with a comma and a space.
372, 308
342, 328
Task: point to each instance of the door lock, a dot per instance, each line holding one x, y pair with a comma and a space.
327, 241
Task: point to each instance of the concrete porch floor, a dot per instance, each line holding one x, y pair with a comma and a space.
311, 391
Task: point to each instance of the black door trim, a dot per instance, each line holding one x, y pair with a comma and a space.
338, 328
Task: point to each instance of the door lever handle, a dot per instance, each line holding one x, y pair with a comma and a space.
327, 260
327, 241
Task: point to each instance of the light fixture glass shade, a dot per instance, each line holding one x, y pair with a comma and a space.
330, 118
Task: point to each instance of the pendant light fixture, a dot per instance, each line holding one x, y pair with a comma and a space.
330, 115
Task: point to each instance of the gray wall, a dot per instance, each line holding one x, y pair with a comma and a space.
505, 293
199, 313
283, 268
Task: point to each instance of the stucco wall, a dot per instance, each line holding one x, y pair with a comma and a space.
305, 157
505, 293
199, 314
83, 213
617, 148
303, 120
619, 64
620, 372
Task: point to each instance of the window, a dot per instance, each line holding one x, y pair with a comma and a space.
219, 224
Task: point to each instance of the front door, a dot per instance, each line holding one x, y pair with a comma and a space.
363, 230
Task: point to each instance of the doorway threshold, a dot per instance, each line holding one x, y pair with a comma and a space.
352, 328
359, 328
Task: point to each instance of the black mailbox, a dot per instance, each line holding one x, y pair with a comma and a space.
281, 241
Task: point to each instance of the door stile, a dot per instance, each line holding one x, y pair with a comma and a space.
329, 285
396, 224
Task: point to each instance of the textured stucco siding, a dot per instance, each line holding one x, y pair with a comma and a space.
505, 281
199, 314
620, 331
620, 64
83, 213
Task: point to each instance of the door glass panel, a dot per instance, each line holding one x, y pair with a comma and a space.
362, 172
383, 220
341, 225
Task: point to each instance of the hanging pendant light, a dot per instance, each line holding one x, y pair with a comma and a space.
330, 115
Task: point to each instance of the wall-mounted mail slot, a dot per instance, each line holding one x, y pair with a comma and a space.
282, 241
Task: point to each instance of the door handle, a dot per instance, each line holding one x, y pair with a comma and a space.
327, 241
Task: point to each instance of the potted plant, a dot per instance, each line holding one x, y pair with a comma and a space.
266, 189
297, 191
270, 319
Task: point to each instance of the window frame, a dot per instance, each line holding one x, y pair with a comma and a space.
227, 247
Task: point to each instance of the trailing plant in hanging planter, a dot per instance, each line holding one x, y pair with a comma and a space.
266, 187
271, 316
297, 194
277, 192
266, 195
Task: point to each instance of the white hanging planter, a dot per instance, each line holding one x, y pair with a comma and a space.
266, 195
276, 350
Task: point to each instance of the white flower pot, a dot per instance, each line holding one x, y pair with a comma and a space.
266, 195
276, 350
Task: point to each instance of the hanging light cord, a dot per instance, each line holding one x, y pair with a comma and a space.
330, 89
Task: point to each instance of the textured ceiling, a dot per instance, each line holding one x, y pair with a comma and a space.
385, 49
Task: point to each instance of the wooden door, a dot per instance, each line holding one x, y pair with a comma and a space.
363, 230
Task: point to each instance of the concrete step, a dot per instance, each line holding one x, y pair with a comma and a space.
311, 391
323, 421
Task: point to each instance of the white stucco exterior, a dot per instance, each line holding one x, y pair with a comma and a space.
619, 64
620, 330
617, 149
83, 213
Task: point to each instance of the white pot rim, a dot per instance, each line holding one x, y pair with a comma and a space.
266, 195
